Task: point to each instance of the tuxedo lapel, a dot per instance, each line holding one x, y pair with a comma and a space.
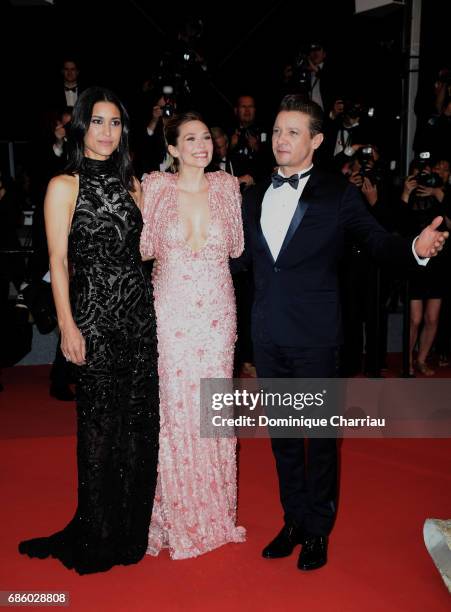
301, 209
262, 188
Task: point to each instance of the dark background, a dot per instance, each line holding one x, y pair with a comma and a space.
117, 44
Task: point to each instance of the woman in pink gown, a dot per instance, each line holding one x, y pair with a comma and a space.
192, 225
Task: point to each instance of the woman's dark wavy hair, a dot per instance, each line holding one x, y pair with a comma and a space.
81, 120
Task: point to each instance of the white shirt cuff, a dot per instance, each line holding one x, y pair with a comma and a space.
422, 261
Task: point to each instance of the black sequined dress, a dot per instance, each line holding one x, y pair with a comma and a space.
117, 389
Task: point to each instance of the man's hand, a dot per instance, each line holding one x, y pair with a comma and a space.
431, 241
436, 192
312, 67
369, 191
234, 139
247, 179
337, 109
253, 143
409, 185
60, 133
356, 179
157, 113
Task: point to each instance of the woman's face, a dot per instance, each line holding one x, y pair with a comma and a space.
443, 170
104, 133
194, 145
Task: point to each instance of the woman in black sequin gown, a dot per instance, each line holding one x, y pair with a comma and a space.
108, 331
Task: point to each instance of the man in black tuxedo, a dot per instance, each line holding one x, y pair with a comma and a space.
294, 232
66, 92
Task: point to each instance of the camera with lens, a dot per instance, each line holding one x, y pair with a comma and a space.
301, 70
429, 179
187, 56
425, 178
169, 105
368, 166
365, 156
242, 147
168, 110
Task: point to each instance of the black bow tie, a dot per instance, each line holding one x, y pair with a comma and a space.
74, 89
278, 180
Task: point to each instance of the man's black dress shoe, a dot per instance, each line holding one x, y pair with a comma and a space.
284, 542
313, 554
62, 392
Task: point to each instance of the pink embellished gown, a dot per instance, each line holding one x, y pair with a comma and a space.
195, 502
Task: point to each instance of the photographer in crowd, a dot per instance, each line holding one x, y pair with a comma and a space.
436, 135
424, 197
221, 156
248, 150
365, 287
346, 132
310, 75
150, 150
431, 100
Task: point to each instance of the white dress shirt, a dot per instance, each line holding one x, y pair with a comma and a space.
277, 211
343, 138
278, 208
71, 96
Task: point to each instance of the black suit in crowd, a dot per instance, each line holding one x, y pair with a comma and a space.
56, 99
150, 151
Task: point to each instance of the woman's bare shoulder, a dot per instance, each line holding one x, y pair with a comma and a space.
63, 185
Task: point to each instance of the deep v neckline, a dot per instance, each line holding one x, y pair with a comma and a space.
180, 224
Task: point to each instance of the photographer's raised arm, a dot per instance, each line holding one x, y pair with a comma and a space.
59, 207
156, 115
409, 185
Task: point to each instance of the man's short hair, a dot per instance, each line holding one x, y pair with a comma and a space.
217, 132
301, 104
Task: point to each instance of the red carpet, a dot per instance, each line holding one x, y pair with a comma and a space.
377, 559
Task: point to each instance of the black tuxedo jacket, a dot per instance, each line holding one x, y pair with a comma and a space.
296, 299
55, 98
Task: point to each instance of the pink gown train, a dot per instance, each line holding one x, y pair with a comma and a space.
196, 496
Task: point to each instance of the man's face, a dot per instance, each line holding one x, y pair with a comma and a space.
70, 72
317, 55
443, 170
292, 144
245, 110
220, 145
